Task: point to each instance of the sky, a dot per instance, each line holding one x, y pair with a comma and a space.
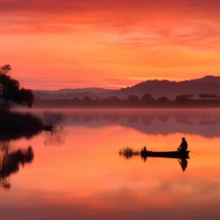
53, 44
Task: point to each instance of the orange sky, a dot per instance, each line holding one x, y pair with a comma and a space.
108, 43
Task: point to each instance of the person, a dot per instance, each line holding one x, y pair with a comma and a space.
144, 149
143, 153
183, 146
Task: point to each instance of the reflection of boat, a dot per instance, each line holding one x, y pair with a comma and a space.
168, 154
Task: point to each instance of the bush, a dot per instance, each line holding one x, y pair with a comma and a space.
128, 152
53, 120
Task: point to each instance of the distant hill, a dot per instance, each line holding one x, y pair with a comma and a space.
157, 88
208, 79
170, 89
65, 91
70, 93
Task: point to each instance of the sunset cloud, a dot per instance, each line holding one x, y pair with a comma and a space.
110, 39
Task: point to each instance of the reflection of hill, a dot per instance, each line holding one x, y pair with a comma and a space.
154, 122
10, 161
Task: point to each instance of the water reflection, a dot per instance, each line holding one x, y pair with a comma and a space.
10, 161
183, 163
54, 138
153, 121
86, 173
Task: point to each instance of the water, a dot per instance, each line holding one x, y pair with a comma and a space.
78, 173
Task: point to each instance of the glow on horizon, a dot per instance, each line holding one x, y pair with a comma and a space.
108, 44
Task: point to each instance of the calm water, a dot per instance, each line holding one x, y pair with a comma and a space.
78, 173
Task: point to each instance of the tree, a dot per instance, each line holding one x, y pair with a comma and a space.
76, 99
105, 100
26, 97
53, 120
133, 98
208, 96
162, 99
146, 97
10, 92
114, 98
183, 98
87, 99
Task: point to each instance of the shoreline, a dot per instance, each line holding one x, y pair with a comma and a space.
125, 104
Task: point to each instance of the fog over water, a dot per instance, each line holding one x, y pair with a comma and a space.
77, 172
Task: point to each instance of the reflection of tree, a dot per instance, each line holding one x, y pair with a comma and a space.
162, 118
114, 118
88, 118
146, 120
154, 121
4, 145
10, 161
184, 120
54, 138
133, 119
207, 122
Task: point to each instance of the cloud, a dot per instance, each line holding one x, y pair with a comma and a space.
160, 21
97, 5
142, 38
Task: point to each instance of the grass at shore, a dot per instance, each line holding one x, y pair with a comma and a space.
15, 125
128, 152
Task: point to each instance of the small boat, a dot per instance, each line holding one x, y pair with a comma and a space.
168, 154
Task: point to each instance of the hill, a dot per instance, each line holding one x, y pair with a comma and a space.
70, 93
170, 89
157, 88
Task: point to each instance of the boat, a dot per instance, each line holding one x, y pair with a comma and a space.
167, 154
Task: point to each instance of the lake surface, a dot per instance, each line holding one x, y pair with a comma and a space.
78, 173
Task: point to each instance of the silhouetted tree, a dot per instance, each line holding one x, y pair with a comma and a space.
114, 98
26, 97
183, 98
133, 98
208, 96
53, 120
87, 99
105, 100
162, 99
10, 93
212, 96
146, 97
76, 99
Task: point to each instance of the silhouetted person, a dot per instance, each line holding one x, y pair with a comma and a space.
183, 146
183, 163
144, 149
